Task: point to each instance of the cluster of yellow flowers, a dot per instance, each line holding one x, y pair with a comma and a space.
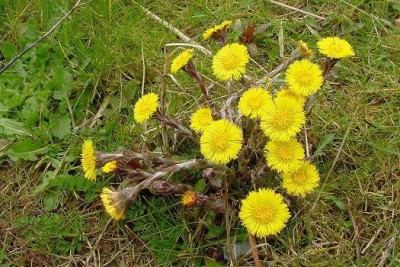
280, 117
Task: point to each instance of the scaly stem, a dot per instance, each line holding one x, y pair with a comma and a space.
254, 250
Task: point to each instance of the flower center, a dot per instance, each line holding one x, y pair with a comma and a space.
255, 103
299, 177
285, 153
304, 79
220, 141
335, 48
230, 62
282, 120
263, 213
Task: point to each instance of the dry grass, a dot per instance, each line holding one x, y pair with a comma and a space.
352, 220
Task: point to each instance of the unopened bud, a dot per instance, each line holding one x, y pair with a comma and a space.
163, 187
208, 173
218, 205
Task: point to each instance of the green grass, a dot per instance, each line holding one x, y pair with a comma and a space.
94, 62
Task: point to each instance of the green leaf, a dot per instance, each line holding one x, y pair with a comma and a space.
26, 150
60, 84
51, 200
60, 125
12, 127
326, 140
338, 202
200, 186
9, 50
31, 111
211, 263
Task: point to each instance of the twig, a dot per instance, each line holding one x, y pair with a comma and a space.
227, 221
336, 159
254, 251
386, 253
296, 9
164, 135
197, 46
280, 67
177, 32
32, 45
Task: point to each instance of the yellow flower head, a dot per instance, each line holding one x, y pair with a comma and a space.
230, 62
264, 213
181, 60
304, 77
88, 160
115, 202
210, 32
111, 166
304, 50
334, 47
283, 119
302, 181
145, 107
284, 156
189, 198
200, 119
254, 102
285, 93
221, 141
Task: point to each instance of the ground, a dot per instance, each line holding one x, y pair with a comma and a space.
82, 81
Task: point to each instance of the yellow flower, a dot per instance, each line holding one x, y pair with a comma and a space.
230, 62
115, 202
304, 77
302, 181
285, 93
283, 119
264, 213
254, 102
210, 32
334, 47
304, 50
189, 198
88, 160
284, 156
200, 119
181, 60
145, 107
111, 166
221, 141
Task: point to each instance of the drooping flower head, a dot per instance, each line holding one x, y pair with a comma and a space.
181, 60
285, 93
254, 101
145, 107
264, 213
304, 50
304, 77
218, 29
230, 62
88, 160
110, 166
200, 119
284, 156
283, 119
302, 181
335, 47
115, 202
221, 141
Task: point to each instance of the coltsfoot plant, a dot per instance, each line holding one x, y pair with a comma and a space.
249, 137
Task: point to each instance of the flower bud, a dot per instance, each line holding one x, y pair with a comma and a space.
193, 199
